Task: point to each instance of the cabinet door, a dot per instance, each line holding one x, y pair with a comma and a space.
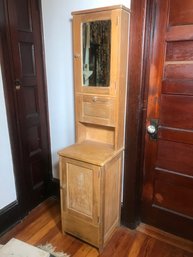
96, 51
80, 198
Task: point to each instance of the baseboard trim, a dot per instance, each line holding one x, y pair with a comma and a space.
166, 237
9, 216
8, 207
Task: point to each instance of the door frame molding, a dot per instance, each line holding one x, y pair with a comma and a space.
14, 212
140, 39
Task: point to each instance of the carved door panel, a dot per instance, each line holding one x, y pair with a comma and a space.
28, 93
80, 182
80, 198
168, 164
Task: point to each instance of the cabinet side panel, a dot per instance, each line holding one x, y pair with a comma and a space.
122, 79
112, 195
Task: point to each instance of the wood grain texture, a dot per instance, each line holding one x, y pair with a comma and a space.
168, 170
176, 111
167, 154
80, 196
179, 33
179, 51
178, 71
180, 12
96, 109
180, 87
90, 152
90, 197
43, 225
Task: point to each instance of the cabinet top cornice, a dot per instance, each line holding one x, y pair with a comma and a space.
102, 9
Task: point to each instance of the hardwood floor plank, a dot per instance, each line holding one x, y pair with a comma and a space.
43, 225
74, 247
33, 239
38, 227
147, 247
93, 253
33, 215
65, 243
83, 251
119, 244
136, 246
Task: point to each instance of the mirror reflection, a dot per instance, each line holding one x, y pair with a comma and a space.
96, 37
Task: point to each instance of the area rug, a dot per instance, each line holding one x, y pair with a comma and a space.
17, 248
50, 249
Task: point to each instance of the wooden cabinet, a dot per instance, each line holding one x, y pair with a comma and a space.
90, 191
90, 170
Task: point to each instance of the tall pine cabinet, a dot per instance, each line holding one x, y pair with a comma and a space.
91, 169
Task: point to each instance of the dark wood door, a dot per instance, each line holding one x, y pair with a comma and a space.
167, 200
26, 98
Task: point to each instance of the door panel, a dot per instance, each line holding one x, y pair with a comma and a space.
170, 191
177, 87
179, 51
168, 163
29, 96
180, 12
26, 52
178, 116
80, 189
168, 154
178, 70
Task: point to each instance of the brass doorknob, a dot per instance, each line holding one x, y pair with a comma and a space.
17, 84
151, 129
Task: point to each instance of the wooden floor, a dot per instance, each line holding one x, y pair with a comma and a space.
43, 226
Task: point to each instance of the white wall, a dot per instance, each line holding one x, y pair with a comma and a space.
7, 183
57, 26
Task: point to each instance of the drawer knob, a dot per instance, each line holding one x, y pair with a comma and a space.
94, 99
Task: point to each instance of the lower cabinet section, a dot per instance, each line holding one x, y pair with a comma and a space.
90, 196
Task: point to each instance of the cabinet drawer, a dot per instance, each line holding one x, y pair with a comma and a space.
97, 110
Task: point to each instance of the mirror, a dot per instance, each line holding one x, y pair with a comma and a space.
96, 49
